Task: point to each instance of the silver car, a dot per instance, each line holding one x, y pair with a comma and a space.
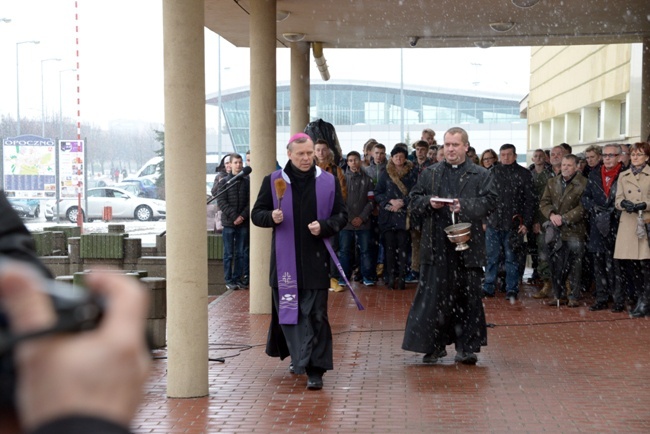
124, 205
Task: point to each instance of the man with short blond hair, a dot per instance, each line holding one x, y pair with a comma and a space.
447, 307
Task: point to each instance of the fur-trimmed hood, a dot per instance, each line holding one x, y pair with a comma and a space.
393, 171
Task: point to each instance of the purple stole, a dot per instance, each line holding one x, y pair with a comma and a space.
285, 252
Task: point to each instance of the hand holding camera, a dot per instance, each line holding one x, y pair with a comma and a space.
98, 373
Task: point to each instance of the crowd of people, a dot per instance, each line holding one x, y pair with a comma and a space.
582, 228
580, 218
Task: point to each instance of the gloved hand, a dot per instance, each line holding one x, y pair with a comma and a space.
640, 206
627, 205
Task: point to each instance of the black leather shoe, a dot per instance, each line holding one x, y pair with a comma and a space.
401, 284
466, 358
291, 368
431, 358
618, 308
390, 283
315, 382
599, 305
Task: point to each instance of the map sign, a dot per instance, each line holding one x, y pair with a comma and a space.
29, 167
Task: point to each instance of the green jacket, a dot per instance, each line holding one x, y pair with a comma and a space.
567, 204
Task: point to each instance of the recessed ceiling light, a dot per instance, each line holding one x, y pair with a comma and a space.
525, 3
293, 37
281, 15
502, 27
486, 43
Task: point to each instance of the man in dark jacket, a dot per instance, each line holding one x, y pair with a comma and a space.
15, 240
304, 206
234, 204
599, 201
357, 231
509, 221
447, 308
561, 204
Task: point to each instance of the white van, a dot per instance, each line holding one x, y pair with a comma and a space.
148, 170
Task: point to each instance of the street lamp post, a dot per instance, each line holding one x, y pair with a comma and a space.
43, 93
61, 103
219, 96
18, 85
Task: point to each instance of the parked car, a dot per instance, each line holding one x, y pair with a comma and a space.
26, 207
145, 185
49, 209
124, 205
134, 189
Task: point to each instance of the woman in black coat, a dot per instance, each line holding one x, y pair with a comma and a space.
599, 199
392, 195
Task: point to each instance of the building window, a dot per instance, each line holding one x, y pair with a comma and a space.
623, 117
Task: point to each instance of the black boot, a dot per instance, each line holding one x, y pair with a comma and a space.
401, 283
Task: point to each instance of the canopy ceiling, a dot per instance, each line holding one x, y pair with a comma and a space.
441, 23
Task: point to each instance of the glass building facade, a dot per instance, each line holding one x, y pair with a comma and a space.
358, 105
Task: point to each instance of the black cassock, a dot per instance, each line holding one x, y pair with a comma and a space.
447, 308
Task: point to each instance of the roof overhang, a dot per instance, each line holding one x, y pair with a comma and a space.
443, 23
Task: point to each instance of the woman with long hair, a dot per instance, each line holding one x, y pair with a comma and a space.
367, 152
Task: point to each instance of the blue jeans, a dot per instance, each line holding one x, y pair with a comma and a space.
235, 262
347, 246
494, 240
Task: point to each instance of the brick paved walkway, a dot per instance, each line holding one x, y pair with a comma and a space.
545, 370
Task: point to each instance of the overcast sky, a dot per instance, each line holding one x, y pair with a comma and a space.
121, 61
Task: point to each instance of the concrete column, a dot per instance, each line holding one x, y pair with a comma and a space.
589, 124
299, 86
610, 119
545, 134
187, 260
263, 141
645, 91
533, 133
572, 128
557, 130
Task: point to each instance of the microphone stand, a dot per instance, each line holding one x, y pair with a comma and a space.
216, 196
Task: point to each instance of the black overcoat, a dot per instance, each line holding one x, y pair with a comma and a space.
16, 241
311, 253
477, 198
602, 212
447, 307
